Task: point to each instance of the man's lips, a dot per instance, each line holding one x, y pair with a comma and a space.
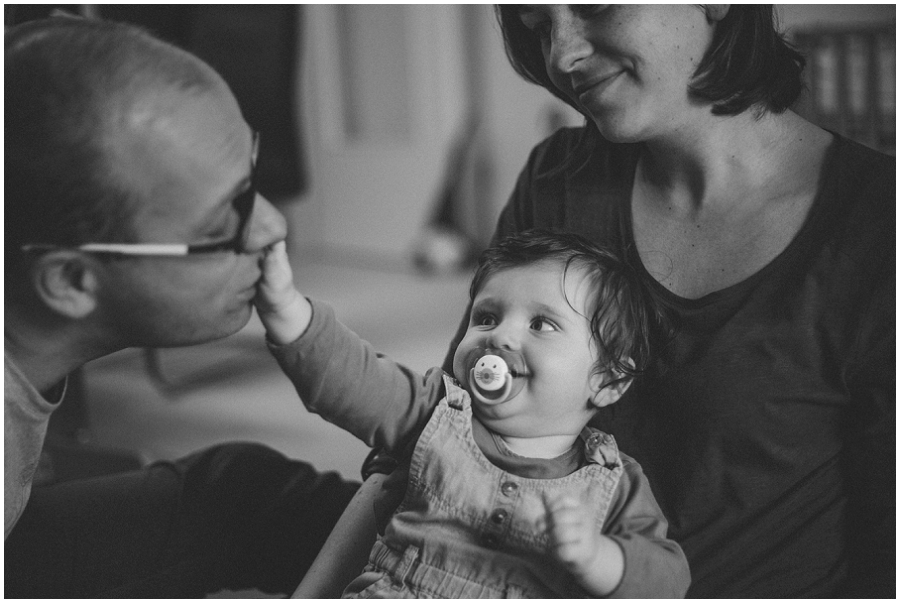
251, 289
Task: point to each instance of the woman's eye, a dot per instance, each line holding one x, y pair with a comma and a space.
537, 24
590, 10
542, 324
542, 30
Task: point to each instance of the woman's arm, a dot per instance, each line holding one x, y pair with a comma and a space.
870, 445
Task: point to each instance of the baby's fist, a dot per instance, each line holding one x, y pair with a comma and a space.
276, 287
282, 309
595, 560
572, 533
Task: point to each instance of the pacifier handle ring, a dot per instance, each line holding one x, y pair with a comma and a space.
507, 387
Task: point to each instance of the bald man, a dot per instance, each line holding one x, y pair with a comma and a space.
132, 220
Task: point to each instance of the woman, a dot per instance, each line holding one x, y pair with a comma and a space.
769, 437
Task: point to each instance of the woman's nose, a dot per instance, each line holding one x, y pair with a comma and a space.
267, 226
568, 44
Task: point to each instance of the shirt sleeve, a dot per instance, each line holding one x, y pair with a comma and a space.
871, 449
655, 566
341, 378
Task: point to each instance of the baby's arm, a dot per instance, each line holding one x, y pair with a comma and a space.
283, 310
595, 560
633, 557
338, 375
655, 565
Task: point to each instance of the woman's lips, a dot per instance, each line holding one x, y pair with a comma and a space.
595, 87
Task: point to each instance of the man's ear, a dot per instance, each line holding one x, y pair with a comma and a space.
66, 283
716, 12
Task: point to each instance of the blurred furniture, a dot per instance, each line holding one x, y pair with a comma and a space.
851, 81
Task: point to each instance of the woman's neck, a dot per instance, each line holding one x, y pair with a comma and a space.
708, 164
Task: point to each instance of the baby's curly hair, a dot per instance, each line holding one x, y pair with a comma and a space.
627, 324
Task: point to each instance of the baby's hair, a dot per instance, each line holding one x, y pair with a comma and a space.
626, 323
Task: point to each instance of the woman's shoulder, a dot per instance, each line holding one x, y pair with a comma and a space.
859, 168
860, 187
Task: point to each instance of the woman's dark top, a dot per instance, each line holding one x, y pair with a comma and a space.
769, 440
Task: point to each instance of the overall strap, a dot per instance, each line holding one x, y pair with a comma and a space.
600, 448
457, 397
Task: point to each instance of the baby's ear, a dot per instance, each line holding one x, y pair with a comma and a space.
608, 387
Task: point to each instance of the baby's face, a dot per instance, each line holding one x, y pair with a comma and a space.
533, 313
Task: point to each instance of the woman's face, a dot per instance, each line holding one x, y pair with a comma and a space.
627, 66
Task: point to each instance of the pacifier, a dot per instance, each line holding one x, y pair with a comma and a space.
491, 377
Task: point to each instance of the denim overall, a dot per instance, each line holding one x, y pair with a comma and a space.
467, 529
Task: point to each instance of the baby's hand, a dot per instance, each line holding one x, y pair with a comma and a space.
282, 309
594, 559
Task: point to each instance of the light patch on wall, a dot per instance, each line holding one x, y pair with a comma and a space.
374, 73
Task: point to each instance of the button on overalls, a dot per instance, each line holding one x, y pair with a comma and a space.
468, 529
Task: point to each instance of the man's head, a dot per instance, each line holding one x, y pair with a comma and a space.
578, 320
113, 136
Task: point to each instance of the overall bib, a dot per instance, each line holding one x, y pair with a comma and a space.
468, 529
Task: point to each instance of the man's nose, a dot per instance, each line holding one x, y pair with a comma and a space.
568, 44
267, 226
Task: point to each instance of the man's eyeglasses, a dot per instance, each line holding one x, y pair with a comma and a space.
243, 203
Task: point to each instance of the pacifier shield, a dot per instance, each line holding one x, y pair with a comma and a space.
490, 372
490, 375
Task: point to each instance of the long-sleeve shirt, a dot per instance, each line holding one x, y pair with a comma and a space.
26, 414
385, 404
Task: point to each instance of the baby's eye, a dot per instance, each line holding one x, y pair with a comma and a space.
484, 320
542, 324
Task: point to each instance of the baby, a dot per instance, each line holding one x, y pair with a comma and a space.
510, 493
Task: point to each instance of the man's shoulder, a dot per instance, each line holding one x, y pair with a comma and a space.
19, 392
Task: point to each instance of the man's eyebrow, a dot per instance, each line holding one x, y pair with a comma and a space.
244, 183
226, 203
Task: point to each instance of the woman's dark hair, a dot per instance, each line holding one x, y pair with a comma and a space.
627, 324
748, 64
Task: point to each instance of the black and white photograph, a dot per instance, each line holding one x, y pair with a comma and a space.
459, 301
